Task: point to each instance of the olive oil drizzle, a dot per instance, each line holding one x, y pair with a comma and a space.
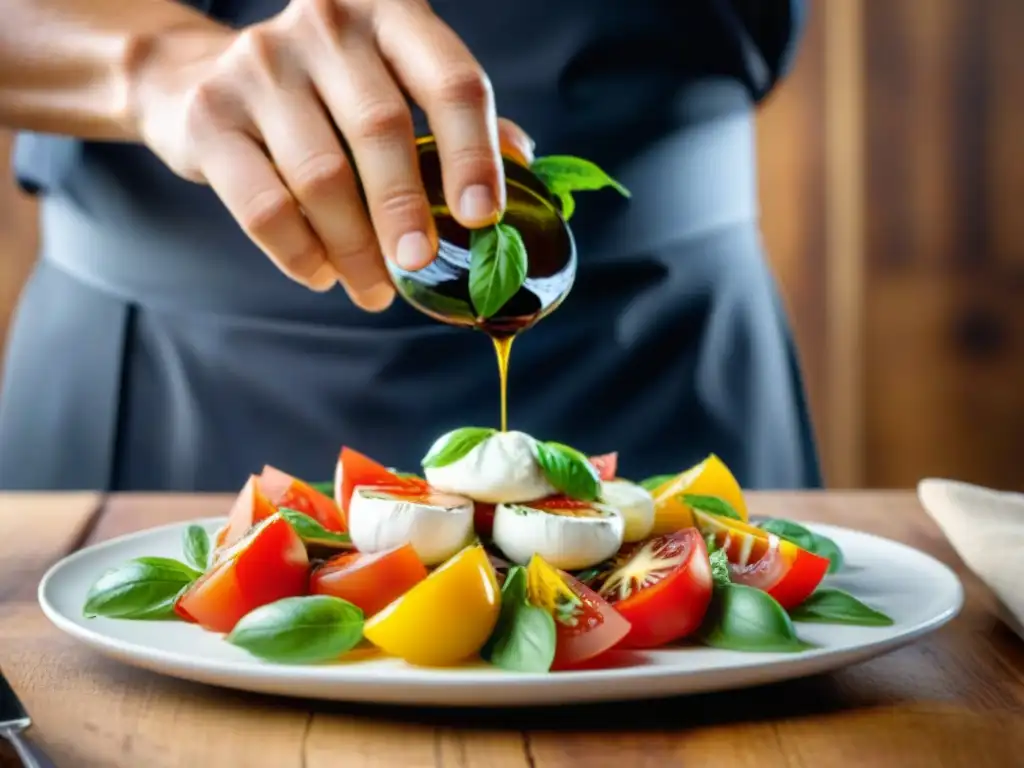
502, 348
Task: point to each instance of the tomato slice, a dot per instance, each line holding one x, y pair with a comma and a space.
662, 587
483, 519
251, 507
762, 560
606, 465
269, 564
285, 491
355, 469
369, 581
585, 625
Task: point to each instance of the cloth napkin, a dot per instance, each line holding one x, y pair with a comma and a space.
986, 528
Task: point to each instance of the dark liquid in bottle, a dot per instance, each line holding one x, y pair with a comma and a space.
441, 289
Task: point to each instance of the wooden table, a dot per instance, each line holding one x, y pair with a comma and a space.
955, 698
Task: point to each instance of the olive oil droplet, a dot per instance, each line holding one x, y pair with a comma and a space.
502, 348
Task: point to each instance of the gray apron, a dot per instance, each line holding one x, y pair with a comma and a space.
155, 348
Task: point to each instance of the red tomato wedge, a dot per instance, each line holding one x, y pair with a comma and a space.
285, 491
585, 625
251, 507
762, 560
606, 465
662, 587
369, 581
355, 469
269, 564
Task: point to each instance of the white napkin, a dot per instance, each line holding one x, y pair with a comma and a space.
986, 528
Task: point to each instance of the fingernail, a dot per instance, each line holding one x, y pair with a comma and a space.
413, 251
478, 204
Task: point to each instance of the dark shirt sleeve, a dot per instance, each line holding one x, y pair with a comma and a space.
766, 34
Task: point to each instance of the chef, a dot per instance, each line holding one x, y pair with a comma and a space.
211, 294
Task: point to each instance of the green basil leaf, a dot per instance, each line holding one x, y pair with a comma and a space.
311, 532
524, 637
197, 547
713, 505
807, 539
719, 566
653, 482
497, 267
326, 488
834, 606
565, 173
742, 618
144, 588
569, 471
300, 630
459, 443
568, 204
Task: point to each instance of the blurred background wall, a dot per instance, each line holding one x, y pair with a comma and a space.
892, 178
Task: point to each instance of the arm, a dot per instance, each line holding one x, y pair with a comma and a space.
66, 66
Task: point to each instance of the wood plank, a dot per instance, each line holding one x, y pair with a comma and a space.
43, 528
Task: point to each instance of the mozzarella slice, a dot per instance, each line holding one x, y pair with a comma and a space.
566, 538
502, 468
634, 503
437, 525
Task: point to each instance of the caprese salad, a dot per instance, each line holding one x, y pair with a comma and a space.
526, 554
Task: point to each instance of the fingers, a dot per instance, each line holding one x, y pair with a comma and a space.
515, 143
323, 181
245, 180
372, 113
440, 73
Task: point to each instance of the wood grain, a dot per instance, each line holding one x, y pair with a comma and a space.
954, 698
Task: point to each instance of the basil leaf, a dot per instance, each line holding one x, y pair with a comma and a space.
719, 566
568, 204
834, 606
144, 588
197, 547
459, 443
326, 488
742, 618
524, 637
300, 630
565, 173
497, 267
311, 532
806, 539
569, 471
653, 482
713, 505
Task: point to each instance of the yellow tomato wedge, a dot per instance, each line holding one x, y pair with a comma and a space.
444, 619
709, 478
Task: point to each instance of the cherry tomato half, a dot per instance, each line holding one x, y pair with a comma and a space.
251, 507
369, 581
287, 492
355, 469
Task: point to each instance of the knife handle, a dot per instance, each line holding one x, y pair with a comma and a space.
31, 756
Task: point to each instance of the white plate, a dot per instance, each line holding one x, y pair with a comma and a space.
920, 593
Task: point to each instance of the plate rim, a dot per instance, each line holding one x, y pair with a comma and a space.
425, 680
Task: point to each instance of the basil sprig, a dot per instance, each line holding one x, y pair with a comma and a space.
834, 606
196, 543
568, 470
143, 588
719, 566
655, 481
713, 505
311, 532
523, 640
565, 174
497, 267
742, 618
807, 539
326, 488
300, 630
459, 443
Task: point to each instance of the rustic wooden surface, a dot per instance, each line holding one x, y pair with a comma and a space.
955, 698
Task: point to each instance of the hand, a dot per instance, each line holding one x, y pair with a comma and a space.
257, 115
